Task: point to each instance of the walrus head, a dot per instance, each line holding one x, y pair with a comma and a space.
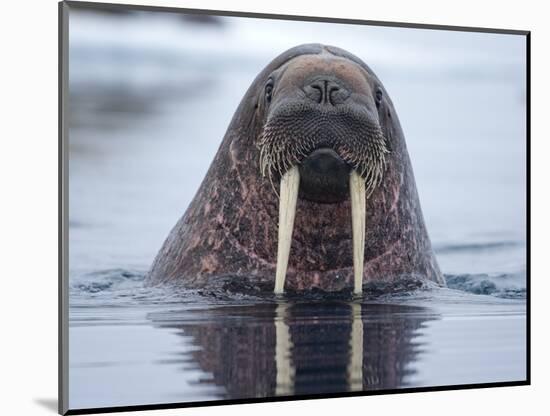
321, 115
312, 184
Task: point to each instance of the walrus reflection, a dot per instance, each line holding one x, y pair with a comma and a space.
287, 349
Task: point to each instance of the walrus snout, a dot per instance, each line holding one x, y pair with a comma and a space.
324, 177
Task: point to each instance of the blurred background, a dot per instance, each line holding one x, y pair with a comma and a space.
152, 93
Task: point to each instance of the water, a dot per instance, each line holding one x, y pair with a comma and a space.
150, 98
131, 345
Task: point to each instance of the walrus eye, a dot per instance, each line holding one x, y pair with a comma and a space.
379, 96
269, 90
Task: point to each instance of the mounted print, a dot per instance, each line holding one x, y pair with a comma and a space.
263, 207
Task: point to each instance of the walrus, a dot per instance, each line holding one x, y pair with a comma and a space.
311, 187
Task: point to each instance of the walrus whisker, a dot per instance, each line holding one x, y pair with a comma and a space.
279, 163
358, 221
290, 183
272, 184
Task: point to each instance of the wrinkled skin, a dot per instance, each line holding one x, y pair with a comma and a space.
230, 227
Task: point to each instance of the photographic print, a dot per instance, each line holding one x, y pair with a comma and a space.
263, 207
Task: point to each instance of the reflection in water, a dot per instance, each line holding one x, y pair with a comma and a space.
355, 369
283, 349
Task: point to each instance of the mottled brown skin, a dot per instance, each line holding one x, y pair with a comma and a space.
230, 227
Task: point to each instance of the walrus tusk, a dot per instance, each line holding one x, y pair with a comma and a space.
358, 219
290, 183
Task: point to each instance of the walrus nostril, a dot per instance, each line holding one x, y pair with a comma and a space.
325, 91
315, 93
332, 94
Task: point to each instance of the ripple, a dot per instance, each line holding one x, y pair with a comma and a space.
492, 245
510, 285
